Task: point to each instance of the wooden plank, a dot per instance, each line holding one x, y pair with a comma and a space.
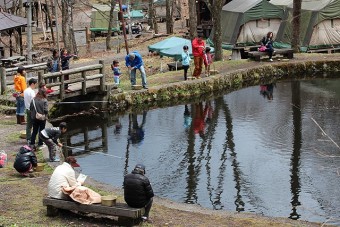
93, 77
120, 209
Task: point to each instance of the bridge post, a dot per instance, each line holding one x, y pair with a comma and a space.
102, 79
40, 77
3, 79
62, 87
83, 84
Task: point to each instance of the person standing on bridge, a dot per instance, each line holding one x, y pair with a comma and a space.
65, 64
134, 61
29, 94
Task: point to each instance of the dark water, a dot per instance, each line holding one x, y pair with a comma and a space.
274, 155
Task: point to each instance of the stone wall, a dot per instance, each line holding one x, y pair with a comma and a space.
182, 92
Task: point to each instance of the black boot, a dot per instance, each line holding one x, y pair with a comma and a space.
22, 120
18, 119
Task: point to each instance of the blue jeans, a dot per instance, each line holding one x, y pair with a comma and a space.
133, 76
20, 106
116, 79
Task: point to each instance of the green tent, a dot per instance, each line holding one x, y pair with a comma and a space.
100, 15
320, 24
247, 21
135, 14
169, 43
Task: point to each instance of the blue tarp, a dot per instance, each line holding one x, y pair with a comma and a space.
168, 43
176, 52
135, 14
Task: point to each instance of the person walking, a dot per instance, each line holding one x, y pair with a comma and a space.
267, 41
19, 87
134, 61
53, 65
198, 48
185, 60
65, 64
29, 94
38, 105
207, 60
138, 191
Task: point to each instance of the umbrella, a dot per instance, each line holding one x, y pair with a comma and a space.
169, 43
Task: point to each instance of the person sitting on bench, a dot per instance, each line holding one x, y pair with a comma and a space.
267, 41
138, 192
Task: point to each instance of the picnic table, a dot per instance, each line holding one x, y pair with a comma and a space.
8, 62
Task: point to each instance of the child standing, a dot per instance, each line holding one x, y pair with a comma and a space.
207, 61
116, 71
185, 60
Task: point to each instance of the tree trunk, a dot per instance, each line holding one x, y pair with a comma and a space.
215, 10
192, 19
109, 30
48, 12
151, 14
21, 11
42, 20
67, 27
169, 16
154, 21
296, 25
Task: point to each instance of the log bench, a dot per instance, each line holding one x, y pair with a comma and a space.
124, 213
286, 53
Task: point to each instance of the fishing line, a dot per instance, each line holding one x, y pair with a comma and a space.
80, 102
96, 152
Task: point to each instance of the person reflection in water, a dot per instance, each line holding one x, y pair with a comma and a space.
267, 91
136, 131
209, 110
118, 128
187, 117
199, 119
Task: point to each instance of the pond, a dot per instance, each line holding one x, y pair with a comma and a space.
271, 149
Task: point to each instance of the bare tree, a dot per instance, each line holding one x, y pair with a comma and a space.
48, 12
296, 24
192, 19
111, 21
67, 26
169, 16
215, 8
152, 17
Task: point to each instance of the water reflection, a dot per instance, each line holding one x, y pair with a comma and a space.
236, 152
267, 91
297, 141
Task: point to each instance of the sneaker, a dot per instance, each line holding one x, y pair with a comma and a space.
146, 219
55, 160
145, 87
270, 59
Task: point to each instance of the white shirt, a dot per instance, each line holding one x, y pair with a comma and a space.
63, 175
29, 94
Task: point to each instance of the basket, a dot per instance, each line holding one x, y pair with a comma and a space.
109, 200
23, 134
137, 87
40, 167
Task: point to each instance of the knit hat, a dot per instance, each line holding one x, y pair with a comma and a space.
132, 56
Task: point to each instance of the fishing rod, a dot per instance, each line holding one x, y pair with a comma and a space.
96, 152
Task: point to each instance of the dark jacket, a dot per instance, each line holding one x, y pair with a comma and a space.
137, 189
24, 159
65, 61
266, 41
41, 106
53, 64
51, 133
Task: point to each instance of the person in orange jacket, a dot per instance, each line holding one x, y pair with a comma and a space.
198, 50
19, 87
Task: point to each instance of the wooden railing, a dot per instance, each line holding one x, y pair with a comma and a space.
6, 72
83, 78
41, 68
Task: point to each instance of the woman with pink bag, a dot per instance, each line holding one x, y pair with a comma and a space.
267, 45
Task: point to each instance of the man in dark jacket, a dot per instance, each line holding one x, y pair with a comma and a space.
25, 161
50, 137
138, 192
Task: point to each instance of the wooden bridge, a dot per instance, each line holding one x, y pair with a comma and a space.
83, 80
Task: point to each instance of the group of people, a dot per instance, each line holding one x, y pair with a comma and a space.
202, 55
35, 106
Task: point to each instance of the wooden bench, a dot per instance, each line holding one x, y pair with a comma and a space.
124, 213
286, 53
326, 50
